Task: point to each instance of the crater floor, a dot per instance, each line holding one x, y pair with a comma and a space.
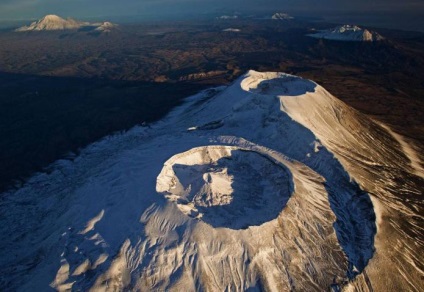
225, 186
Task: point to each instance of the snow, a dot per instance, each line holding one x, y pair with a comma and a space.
408, 151
348, 33
52, 22
90, 224
274, 186
221, 185
281, 16
106, 26
232, 30
227, 17
55, 23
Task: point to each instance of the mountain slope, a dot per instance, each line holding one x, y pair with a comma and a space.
106, 26
281, 16
54, 23
348, 33
269, 184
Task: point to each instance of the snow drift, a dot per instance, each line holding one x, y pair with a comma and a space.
269, 184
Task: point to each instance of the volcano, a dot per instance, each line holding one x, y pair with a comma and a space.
271, 183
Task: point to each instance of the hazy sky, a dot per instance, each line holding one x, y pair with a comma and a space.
25, 9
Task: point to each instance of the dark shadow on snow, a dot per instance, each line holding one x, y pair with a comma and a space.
355, 224
256, 197
285, 85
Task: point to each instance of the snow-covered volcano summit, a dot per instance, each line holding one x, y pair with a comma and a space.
281, 16
54, 22
348, 33
106, 26
269, 184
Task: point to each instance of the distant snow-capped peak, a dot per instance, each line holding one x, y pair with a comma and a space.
231, 29
106, 26
281, 16
347, 27
348, 33
53, 22
228, 17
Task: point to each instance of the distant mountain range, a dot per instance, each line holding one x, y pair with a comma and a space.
275, 16
228, 17
106, 26
231, 30
281, 16
54, 22
348, 33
